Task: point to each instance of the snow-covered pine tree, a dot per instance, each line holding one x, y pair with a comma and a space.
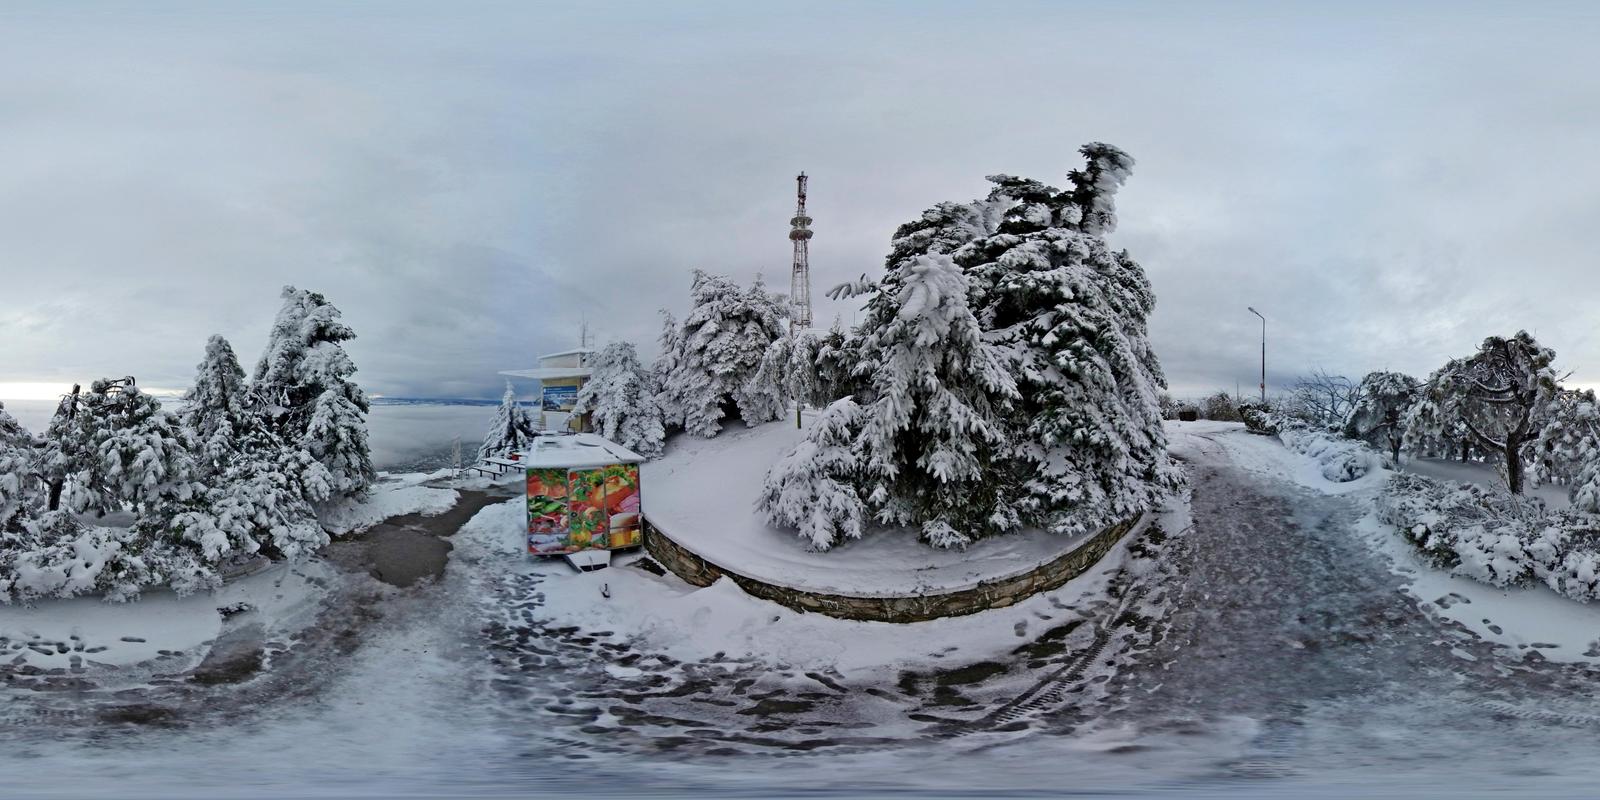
934, 435
884, 364
512, 430
1073, 312
1499, 396
303, 381
216, 409
833, 366
1076, 443
19, 478
1569, 447
260, 491
262, 500
667, 399
63, 451
787, 375
336, 436
1094, 188
805, 368
717, 349
813, 489
113, 447
620, 398
1379, 414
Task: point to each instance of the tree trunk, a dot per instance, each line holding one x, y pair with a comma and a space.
1466, 450
1513, 465
56, 485
1394, 451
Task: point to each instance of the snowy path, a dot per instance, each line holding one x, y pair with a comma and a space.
1255, 642
1292, 646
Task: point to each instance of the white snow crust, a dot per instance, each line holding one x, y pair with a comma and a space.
703, 494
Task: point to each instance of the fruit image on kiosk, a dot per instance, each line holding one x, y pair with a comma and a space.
582, 498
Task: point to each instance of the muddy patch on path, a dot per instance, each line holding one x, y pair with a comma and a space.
403, 550
236, 656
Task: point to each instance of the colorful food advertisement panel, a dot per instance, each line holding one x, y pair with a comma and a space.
586, 509
583, 509
622, 506
547, 511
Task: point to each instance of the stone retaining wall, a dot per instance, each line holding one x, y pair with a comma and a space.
995, 593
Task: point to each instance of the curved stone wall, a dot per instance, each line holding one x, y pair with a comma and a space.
995, 593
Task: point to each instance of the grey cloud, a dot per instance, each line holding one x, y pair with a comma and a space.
471, 183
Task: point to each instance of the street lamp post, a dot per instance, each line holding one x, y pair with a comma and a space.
1263, 352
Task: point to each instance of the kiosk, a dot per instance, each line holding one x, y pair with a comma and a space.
583, 498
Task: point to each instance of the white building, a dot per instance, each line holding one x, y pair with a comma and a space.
560, 375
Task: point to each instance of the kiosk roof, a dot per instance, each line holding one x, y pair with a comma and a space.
577, 450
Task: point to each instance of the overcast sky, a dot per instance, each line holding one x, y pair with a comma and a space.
469, 183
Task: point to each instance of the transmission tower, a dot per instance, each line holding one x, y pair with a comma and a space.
800, 234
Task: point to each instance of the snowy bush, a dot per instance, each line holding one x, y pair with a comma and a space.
1577, 573
1496, 537
1340, 460
813, 488
1221, 408
708, 361
1258, 417
54, 556
621, 399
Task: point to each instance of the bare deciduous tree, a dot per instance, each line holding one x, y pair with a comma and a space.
1325, 400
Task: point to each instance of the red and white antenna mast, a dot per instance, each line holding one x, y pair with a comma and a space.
800, 234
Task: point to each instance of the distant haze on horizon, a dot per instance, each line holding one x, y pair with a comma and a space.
470, 183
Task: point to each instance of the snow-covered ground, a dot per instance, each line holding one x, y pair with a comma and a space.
1264, 456
689, 623
1531, 618
1554, 495
391, 496
1275, 643
703, 494
90, 633
1520, 618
